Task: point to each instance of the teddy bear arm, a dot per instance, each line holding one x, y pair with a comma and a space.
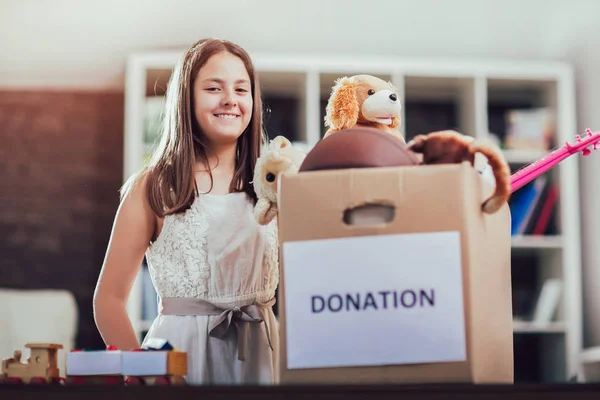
263, 211
270, 214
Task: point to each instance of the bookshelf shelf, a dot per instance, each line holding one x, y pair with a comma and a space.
537, 242
532, 327
591, 355
470, 96
523, 156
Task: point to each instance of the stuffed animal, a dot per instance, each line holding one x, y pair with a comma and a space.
363, 100
453, 147
278, 159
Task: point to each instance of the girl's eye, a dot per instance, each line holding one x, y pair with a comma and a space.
242, 90
212, 89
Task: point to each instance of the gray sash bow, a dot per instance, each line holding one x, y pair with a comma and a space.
238, 317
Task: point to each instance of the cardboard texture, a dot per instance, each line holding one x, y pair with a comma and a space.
425, 199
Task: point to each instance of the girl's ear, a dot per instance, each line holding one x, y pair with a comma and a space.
342, 107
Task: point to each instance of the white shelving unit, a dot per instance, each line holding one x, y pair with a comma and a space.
472, 86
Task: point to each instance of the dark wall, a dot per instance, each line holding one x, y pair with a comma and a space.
61, 158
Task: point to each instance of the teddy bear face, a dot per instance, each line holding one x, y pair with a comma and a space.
364, 100
380, 103
271, 167
279, 158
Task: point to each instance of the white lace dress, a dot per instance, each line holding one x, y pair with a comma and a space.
217, 252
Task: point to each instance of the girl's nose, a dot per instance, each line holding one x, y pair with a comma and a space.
229, 98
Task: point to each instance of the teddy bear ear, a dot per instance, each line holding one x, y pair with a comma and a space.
284, 142
279, 142
342, 107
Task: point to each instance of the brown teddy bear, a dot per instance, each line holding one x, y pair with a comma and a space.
449, 147
363, 100
368, 101
279, 158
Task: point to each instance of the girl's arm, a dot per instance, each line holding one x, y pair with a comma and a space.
132, 231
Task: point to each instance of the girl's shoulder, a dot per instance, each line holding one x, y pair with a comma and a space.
135, 191
137, 183
136, 220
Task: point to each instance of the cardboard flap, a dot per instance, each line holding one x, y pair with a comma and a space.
316, 203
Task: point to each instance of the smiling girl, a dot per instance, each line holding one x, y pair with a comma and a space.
189, 212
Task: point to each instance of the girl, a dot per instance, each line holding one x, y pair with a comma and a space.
190, 212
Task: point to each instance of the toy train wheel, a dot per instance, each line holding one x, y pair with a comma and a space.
162, 380
75, 380
38, 380
134, 381
57, 380
177, 380
11, 380
112, 380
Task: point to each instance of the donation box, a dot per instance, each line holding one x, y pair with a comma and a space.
393, 275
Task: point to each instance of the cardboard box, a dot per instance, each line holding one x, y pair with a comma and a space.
416, 291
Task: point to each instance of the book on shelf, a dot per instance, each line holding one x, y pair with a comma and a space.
548, 301
529, 129
533, 206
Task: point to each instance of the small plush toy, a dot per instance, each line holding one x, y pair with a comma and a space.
278, 159
452, 147
363, 100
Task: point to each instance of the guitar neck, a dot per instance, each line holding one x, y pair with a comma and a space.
528, 173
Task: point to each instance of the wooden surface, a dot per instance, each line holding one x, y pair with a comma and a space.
459, 391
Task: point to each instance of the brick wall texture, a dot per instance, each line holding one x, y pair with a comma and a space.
60, 170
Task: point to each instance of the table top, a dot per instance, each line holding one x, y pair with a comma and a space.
571, 391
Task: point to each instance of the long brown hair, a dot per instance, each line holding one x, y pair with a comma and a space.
171, 187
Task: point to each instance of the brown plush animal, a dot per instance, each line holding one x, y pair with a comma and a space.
363, 100
453, 147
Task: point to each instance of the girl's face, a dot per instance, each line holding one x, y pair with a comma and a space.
223, 98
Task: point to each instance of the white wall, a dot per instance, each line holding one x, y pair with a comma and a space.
77, 43
85, 42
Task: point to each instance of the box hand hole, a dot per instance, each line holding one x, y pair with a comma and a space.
369, 214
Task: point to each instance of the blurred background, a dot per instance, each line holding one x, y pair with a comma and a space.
69, 103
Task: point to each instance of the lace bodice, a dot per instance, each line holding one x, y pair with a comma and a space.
216, 251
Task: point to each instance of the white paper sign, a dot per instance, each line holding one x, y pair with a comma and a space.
374, 300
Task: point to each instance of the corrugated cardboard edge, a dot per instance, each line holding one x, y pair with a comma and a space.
496, 244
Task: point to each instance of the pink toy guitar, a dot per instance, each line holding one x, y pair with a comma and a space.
528, 173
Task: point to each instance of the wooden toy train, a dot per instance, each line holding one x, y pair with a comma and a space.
41, 366
157, 363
